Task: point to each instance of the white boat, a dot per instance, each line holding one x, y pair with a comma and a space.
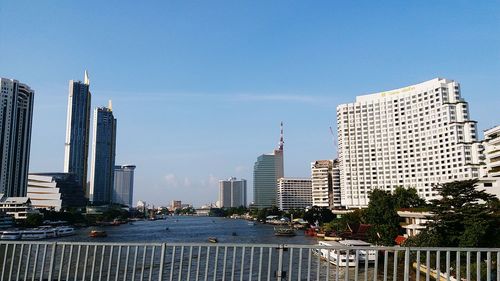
337, 257
65, 231
364, 255
34, 234
11, 235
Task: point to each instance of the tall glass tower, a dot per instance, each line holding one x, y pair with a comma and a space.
76, 148
267, 170
16, 114
102, 170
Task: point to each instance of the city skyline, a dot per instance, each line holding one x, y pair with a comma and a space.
203, 91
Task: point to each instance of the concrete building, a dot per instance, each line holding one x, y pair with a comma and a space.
415, 221
232, 193
266, 172
103, 156
76, 147
17, 207
294, 193
490, 161
123, 191
55, 191
16, 114
175, 204
325, 176
416, 136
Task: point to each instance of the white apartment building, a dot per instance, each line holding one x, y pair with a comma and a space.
325, 177
232, 193
416, 136
294, 193
490, 161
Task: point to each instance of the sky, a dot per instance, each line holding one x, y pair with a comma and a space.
199, 88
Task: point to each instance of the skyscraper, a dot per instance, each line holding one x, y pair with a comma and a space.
76, 148
266, 172
123, 190
16, 114
102, 169
232, 193
416, 136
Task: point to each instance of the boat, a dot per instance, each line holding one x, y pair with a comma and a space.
332, 238
284, 231
34, 234
50, 232
97, 234
65, 231
11, 235
213, 240
251, 223
336, 256
364, 254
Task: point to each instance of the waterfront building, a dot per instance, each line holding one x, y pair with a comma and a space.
123, 190
76, 147
17, 207
294, 193
175, 204
414, 221
490, 161
103, 155
267, 170
325, 176
232, 193
16, 114
416, 136
55, 191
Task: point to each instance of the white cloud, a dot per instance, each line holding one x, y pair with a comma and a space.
187, 182
171, 180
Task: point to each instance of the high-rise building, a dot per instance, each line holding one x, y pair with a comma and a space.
416, 136
266, 172
232, 193
325, 176
76, 148
294, 194
123, 190
103, 156
16, 114
55, 191
490, 161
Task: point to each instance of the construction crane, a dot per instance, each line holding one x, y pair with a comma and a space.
335, 143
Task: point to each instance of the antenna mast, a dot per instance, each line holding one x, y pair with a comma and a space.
281, 138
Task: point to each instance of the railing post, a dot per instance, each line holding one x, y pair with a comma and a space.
407, 264
162, 261
52, 260
279, 271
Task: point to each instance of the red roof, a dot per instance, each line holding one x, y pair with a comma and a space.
400, 239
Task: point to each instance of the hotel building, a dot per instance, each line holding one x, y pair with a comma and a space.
294, 194
102, 169
76, 147
267, 170
416, 136
16, 114
232, 193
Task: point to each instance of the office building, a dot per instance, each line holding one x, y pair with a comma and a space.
16, 114
294, 193
55, 191
266, 172
102, 170
232, 193
76, 147
123, 190
416, 136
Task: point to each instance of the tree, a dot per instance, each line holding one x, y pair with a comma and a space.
33, 220
319, 214
464, 216
382, 215
407, 198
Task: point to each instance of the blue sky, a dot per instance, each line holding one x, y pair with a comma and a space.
199, 87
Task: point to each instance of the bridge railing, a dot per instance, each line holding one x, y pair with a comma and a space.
213, 262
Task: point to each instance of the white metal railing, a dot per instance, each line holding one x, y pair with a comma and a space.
213, 262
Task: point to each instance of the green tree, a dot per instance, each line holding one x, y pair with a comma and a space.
319, 214
381, 214
407, 198
464, 216
33, 220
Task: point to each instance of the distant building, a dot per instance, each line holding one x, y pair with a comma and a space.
16, 114
322, 183
18, 207
76, 147
294, 193
103, 156
266, 172
123, 190
232, 193
417, 136
176, 204
55, 191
